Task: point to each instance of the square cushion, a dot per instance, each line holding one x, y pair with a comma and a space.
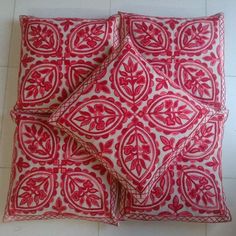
125, 113
57, 54
189, 50
191, 189
55, 177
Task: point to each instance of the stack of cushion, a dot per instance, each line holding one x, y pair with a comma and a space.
119, 118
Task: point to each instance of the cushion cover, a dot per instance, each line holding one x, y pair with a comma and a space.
189, 50
57, 54
125, 112
53, 176
191, 188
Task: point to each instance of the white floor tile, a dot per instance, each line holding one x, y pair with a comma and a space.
183, 8
136, 228
53, 8
6, 14
226, 229
228, 7
3, 74
49, 228
229, 147
7, 124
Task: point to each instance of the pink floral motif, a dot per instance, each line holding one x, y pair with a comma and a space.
97, 116
66, 24
175, 206
88, 37
26, 59
196, 35
40, 83
196, 80
35, 190
199, 189
21, 164
132, 79
149, 36
171, 112
202, 142
59, 207
42, 37
138, 152
37, 141
83, 191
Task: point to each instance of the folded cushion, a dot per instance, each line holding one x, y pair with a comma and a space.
53, 176
188, 50
57, 54
125, 113
191, 188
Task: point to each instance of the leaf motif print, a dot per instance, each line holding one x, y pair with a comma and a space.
195, 35
40, 83
21, 164
203, 141
42, 37
83, 191
172, 112
37, 140
34, 190
97, 117
88, 37
175, 206
131, 78
196, 80
149, 35
137, 152
59, 207
199, 189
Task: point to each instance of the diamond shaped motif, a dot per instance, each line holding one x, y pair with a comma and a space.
129, 122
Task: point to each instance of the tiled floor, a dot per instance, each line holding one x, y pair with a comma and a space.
9, 59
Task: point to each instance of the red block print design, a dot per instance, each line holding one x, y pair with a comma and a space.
53, 176
88, 38
152, 37
42, 37
126, 116
189, 190
191, 51
57, 54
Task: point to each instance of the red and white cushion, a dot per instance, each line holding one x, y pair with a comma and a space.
125, 113
191, 189
57, 54
53, 176
188, 50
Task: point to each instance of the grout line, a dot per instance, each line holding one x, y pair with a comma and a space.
3, 67
205, 229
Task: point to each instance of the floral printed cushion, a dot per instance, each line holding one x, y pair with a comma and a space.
191, 188
125, 113
57, 54
189, 51
54, 177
